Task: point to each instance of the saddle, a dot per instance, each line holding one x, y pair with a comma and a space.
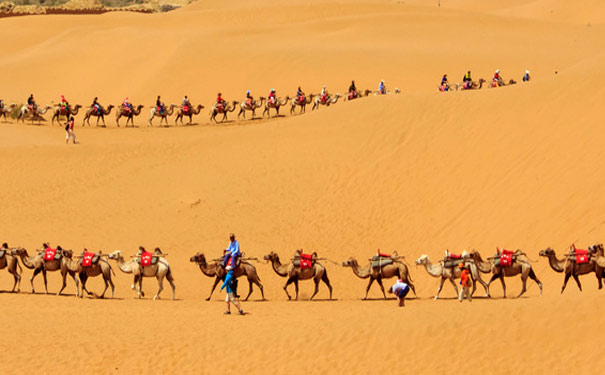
324, 99
303, 261
88, 259
63, 110
379, 261
220, 107
301, 99
186, 109
505, 259
580, 256
147, 259
51, 254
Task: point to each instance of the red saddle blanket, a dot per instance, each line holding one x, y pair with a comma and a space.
219, 107
306, 261
185, 109
455, 256
301, 99
49, 254
87, 259
506, 258
146, 259
581, 256
380, 254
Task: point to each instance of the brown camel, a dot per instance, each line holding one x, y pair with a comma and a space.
9, 260
275, 105
357, 94
329, 100
222, 108
571, 268
102, 267
99, 115
35, 113
294, 274
473, 86
520, 266
160, 271
252, 106
162, 115
189, 113
301, 103
38, 264
122, 111
7, 111
502, 83
217, 271
385, 272
452, 273
64, 111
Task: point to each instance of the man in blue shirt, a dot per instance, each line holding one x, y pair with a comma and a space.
232, 253
230, 299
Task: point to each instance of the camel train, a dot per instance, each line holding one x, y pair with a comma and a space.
301, 266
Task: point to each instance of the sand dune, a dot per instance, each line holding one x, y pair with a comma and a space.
514, 167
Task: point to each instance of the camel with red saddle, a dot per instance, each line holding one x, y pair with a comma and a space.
159, 270
163, 115
216, 270
49, 260
301, 103
275, 105
64, 111
449, 270
252, 106
308, 268
507, 264
329, 100
472, 86
89, 265
222, 108
577, 262
502, 83
9, 260
7, 111
357, 94
99, 113
35, 114
129, 113
187, 112
381, 267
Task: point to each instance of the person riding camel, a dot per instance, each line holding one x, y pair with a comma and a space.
159, 105
127, 105
63, 104
31, 103
324, 95
497, 80
352, 90
444, 83
249, 98
272, 98
467, 80
300, 95
526, 76
1, 104
232, 254
186, 105
381, 88
220, 101
96, 107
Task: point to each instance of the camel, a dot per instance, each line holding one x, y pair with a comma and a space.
160, 271
358, 94
571, 268
38, 264
521, 266
101, 268
217, 270
10, 262
253, 106
222, 108
473, 86
121, 111
276, 104
99, 115
502, 83
36, 114
192, 111
294, 274
61, 111
163, 117
451, 274
329, 100
7, 110
385, 272
302, 104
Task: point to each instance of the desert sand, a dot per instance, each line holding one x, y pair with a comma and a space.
419, 172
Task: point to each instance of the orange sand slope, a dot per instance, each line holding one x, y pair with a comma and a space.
515, 167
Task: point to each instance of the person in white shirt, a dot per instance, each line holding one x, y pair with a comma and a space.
400, 289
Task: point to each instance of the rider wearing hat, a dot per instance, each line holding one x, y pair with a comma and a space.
465, 283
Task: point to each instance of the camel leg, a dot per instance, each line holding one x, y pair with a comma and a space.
379, 280
567, 276
106, 286
454, 284
368, 287
17, 278
216, 280
440, 287
111, 284
524, 285
45, 281
325, 279
598, 275
83, 279
503, 285
160, 279
249, 290
316, 280
36, 272
494, 277
533, 276
288, 282
171, 282
577, 279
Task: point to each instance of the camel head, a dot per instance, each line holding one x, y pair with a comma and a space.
271, 257
68, 253
424, 259
338, 95
397, 91
349, 263
547, 252
19, 251
198, 258
115, 255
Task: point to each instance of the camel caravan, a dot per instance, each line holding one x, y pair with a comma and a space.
469, 84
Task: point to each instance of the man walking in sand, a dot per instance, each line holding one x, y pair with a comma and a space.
69, 131
400, 289
231, 284
465, 283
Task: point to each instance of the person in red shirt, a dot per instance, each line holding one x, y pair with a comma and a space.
465, 283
